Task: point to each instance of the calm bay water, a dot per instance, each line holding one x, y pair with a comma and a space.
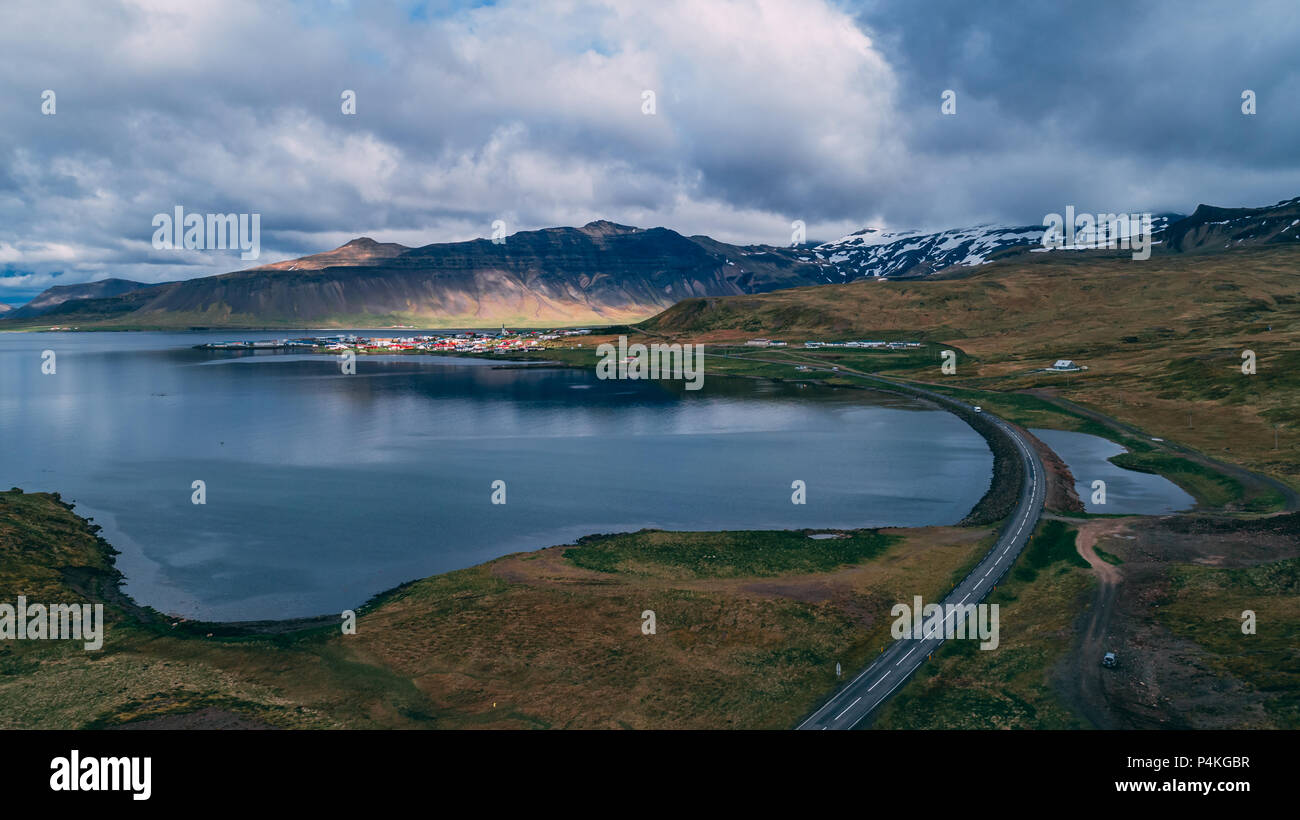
324, 488
1127, 491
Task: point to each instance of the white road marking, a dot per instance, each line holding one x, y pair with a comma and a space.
910, 651
891, 691
877, 683
847, 708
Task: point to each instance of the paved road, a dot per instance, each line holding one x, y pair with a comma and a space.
860, 696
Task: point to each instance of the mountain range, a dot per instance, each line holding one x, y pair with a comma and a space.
600, 273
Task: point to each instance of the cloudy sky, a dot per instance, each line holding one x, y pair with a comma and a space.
765, 112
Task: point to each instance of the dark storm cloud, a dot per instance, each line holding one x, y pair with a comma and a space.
1128, 105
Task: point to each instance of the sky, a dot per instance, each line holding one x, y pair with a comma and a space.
536, 114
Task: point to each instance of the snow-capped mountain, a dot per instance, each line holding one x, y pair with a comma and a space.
913, 254
871, 252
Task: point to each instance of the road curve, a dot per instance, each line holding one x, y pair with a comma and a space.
860, 696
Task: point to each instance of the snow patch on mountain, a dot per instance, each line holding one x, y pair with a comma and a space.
880, 254
872, 252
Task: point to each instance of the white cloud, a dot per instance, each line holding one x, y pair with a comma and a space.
527, 112
33, 252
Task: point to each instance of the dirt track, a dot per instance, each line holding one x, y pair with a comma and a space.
1085, 670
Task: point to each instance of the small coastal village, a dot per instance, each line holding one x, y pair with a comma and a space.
526, 341
504, 341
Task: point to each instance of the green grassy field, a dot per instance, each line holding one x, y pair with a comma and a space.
1210, 488
726, 554
1205, 605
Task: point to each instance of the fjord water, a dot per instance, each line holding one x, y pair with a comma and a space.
324, 489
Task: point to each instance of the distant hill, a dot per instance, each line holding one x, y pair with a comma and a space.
1031, 304
58, 296
1215, 229
601, 273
